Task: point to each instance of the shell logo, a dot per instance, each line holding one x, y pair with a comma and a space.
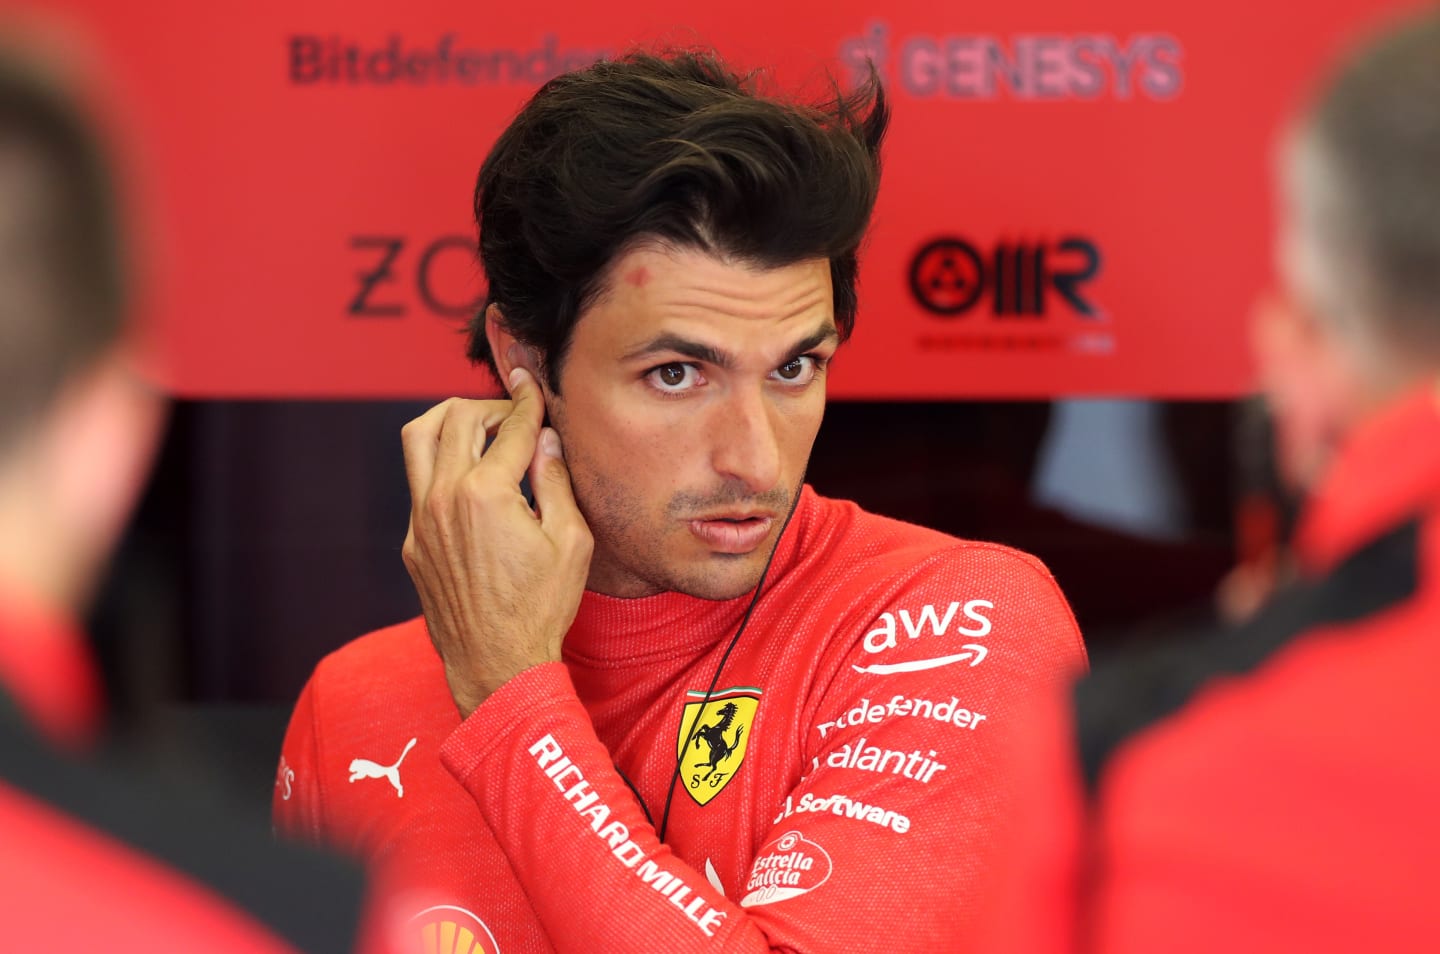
447, 929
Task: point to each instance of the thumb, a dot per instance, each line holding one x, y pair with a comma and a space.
550, 482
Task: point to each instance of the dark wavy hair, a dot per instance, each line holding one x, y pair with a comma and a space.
673, 147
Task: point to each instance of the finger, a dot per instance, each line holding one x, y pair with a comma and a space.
462, 438
554, 495
515, 442
410, 552
419, 441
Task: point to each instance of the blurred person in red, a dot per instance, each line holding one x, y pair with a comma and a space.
93, 852
1273, 786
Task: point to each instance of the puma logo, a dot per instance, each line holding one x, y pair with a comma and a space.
364, 768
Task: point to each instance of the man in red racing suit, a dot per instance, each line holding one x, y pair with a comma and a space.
700, 707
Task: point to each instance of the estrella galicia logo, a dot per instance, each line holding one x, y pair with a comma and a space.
949, 276
788, 867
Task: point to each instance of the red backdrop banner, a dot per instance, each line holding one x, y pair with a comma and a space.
1076, 197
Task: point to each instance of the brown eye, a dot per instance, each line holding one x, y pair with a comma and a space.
675, 378
798, 371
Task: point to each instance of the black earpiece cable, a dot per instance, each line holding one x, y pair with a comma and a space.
715, 680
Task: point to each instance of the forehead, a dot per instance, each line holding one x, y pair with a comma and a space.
654, 288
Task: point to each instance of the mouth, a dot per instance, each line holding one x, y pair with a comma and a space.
732, 532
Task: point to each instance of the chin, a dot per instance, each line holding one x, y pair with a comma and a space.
733, 577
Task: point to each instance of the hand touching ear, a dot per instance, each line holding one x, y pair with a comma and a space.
499, 583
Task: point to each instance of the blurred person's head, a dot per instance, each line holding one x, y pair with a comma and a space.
1358, 249
77, 428
674, 255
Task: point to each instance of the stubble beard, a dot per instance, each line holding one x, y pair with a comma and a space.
635, 554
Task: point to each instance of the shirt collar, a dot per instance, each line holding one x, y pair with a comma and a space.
1387, 472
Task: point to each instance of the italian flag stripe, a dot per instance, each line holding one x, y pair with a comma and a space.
730, 693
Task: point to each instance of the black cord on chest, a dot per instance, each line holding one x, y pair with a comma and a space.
714, 681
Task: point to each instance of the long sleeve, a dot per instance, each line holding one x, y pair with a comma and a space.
547, 787
887, 835
1033, 905
296, 805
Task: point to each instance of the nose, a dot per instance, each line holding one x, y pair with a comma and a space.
746, 440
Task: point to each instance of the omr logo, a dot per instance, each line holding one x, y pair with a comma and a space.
447, 929
949, 276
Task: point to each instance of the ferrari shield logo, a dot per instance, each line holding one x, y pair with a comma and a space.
712, 743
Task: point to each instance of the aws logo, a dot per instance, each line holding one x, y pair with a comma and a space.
886, 633
713, 738
446, 929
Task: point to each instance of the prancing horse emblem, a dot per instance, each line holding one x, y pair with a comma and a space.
712, 743
364, 768
714, 736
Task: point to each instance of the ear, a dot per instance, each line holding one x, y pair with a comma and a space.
1282, 344
508, 351
1306, 382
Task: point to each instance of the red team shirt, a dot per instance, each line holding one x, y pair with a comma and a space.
1268, 788
840, 791
68, 882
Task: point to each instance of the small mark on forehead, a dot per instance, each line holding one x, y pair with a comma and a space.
638, 276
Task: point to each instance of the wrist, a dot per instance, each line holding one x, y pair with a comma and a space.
470, 691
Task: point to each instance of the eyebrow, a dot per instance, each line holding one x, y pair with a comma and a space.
700, 351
